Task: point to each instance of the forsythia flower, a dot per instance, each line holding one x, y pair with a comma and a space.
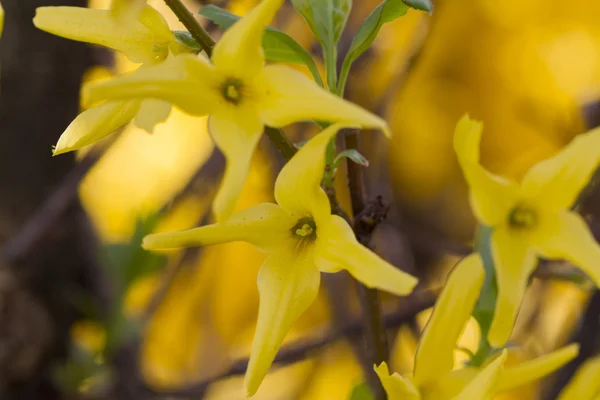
146, 40
584, 385
302, 238
434, 378
532, 218
240, 94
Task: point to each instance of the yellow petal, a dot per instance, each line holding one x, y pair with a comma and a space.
152, 112
126, 11
96, 123
565, 235
556, 182
288, 282
289, 96
584, 385
492, 197
298, 186
396, 387
514, 261
187, 81
483, 386
266, 226
237, 135
239, 52
530, 371
144, 40
337, 245
435, 354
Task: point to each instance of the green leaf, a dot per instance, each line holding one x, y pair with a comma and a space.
353, 155
385, 12
423, 5
362, 391
278, 46
326, 18
186, 39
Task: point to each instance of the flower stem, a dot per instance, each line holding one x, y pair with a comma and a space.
192, 25
375, 335
281, 142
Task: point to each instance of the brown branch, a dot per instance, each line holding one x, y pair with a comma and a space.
301, 350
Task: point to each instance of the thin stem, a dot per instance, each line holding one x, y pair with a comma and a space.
375, 335
281, 142
192, 25
330, 56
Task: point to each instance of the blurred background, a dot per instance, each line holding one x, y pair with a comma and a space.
81, 303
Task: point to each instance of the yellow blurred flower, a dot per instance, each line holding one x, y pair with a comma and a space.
240, 94
531, 218
1, 19
433, 376
301, 237
146, 39
584, 385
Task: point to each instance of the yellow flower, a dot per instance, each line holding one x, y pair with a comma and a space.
240, 94
302, 238
530, 219
146, 40
584, 385
433, 377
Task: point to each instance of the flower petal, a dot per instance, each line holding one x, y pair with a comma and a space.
492, 197
566, 236
144, 40
435, 354
337, 245
239, 52
514, 261
266, 226
289, 96
236, 135
483, 386
530, 371
126, 11
185, 80
1, 19
556, 182
584, 385
288, 282
298, 185
396, 387
94, 124
152, 112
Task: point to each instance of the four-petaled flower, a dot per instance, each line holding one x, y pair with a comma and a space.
146, 39
302, 238
434, 378
240, 94
530, 219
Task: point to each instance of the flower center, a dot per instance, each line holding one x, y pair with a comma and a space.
232, 91
522, 217
305, 229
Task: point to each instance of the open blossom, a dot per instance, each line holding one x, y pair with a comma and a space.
584, 385
240, 94
146, 40
302, 238
531, 218
434, 376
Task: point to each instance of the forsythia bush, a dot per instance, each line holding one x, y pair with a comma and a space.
304, 233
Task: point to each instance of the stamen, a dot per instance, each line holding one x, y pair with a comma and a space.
232, 91
522, 217
305, 230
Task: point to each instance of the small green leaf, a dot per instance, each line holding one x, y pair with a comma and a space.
186, 39
278, 46
326, 18
362, 391
385, 12
353, 155
423, 5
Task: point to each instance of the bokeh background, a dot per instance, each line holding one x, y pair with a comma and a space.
529, 69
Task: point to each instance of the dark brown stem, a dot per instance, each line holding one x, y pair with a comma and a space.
192, 25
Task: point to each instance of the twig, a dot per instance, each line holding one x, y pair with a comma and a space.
192, 25
366, 217
303, 349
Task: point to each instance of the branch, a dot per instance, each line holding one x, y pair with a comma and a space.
298, 351
192, 25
